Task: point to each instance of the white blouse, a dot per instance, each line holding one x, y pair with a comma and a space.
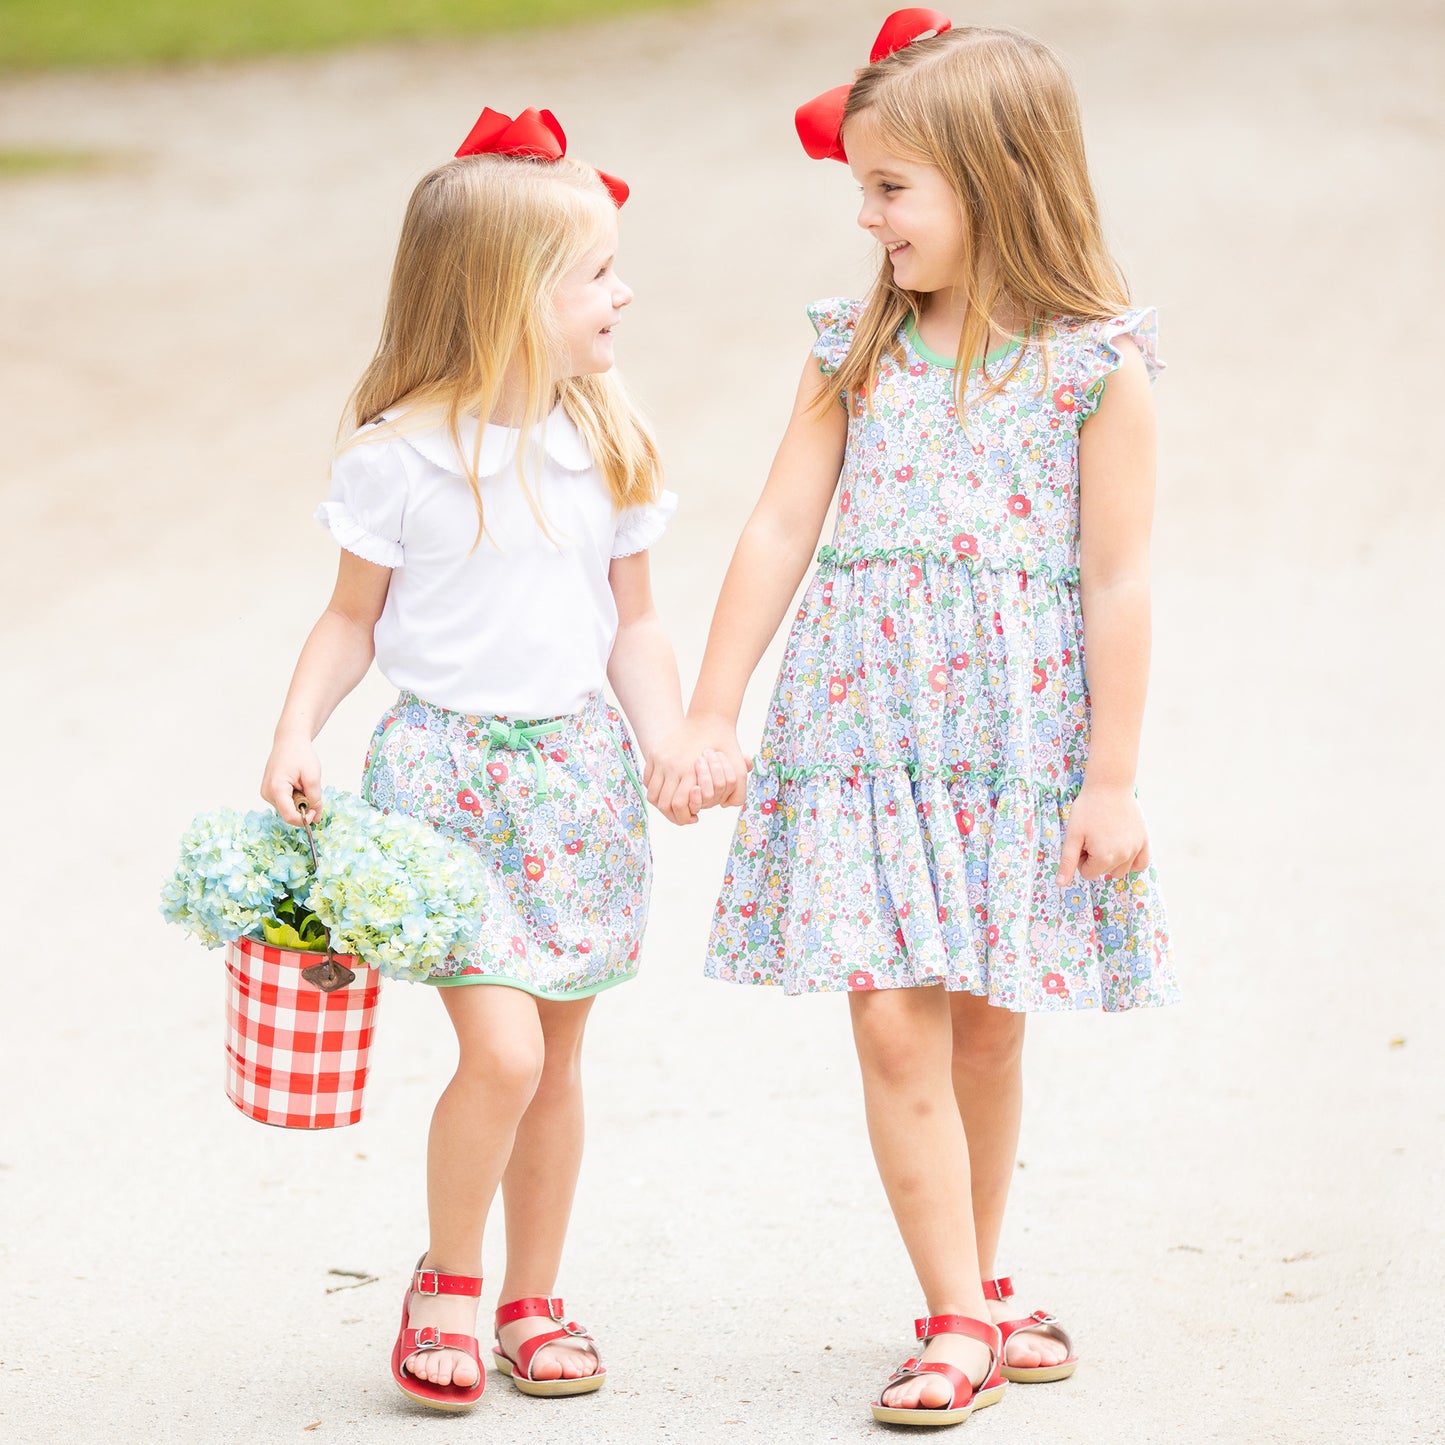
521, 625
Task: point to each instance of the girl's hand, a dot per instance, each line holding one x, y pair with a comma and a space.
702, 757
292, 768
1106, 837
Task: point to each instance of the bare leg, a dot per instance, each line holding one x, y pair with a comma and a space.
988, 1085
499, 1063
539, 1184
904, 1039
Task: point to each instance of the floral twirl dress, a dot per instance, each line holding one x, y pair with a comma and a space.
930, 724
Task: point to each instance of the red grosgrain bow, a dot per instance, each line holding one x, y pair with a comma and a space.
820, 120
534, 133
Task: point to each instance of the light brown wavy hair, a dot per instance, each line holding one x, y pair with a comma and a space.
995, 111
484, 243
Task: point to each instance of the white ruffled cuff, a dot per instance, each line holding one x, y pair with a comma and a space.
639, 527
338, 520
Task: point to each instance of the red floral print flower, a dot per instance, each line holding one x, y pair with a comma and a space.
1041, 678
958, 661
1020, 505
573, 845
891, 809
904, 474
584, 945
1054, 983
748, 909
468, 802
533, 867
965, 545
845, 502
768, 805
915, 576
887, 628
938, 678
837, 689
497, 772
1064, 397
518, 947
860, 980
992, 933
965, 821
558, 755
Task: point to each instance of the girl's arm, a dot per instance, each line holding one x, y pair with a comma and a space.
772, 555
643, 672
334, 659
1106, 835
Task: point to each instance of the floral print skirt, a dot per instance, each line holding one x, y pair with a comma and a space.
555, 808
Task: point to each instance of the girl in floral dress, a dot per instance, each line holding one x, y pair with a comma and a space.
941, 817
495, 508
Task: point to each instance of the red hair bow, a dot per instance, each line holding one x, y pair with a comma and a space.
534, 133
820, 120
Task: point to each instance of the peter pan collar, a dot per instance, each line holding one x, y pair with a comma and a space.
561, 441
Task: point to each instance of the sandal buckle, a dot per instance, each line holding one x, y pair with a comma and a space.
429, 1338
557, 1310
427, 1281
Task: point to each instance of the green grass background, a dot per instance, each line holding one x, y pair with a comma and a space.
40, 34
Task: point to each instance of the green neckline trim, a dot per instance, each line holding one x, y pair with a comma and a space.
950, 363
994, 779
862, 556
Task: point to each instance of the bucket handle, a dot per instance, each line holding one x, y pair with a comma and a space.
329, 975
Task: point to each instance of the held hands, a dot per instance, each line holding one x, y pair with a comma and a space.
699, 766
1106, 837
292, 769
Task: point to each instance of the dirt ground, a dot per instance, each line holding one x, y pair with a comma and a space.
1234, 1203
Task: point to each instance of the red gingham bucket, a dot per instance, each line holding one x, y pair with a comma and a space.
296, 1056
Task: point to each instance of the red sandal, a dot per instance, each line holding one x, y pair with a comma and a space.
1038, 1323
967, 1397
520, 1369
411, 1342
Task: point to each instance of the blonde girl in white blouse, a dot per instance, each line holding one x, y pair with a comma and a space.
494, 508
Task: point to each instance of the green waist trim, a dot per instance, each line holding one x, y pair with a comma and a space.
994, 779
862, 556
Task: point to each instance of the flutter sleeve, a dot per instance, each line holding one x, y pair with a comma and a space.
1098, 357
367, 502
639, 527
835, 321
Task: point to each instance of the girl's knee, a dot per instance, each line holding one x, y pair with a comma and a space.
890, 1047
987, 1040
509, 1069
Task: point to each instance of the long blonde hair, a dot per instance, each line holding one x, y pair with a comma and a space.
995, 111
484, 243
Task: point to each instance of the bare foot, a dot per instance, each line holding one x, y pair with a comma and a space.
933, 1391
1028, 1349
452, 1314
561, 1360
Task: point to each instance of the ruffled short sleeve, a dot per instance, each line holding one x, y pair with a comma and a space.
368, 499
1098, 357
639, 527
835, 321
